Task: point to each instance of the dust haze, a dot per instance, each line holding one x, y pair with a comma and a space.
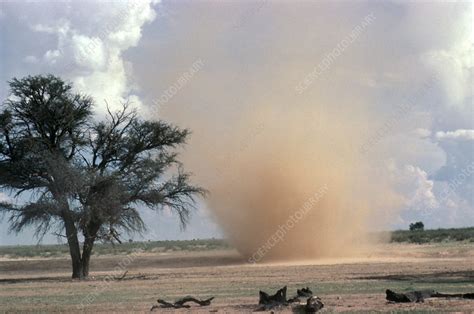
270, 164
263, 149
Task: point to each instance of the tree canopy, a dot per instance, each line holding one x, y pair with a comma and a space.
417, 226
85, 176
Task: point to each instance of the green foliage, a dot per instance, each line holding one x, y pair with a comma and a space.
417, 226
85, 175
98, 171
433, 236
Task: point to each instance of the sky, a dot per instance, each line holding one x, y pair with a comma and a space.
398, 75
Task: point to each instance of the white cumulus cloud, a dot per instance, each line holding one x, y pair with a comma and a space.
90, 49
460, 134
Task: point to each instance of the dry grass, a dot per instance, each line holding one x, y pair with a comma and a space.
344, 285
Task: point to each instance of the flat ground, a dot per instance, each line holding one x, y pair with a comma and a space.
357, 284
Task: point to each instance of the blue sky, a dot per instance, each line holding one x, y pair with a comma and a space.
256, 53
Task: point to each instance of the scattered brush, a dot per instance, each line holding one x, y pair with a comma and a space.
181, 303
269, 302
122, 276
420, 296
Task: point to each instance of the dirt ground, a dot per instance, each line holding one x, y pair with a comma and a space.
344, 285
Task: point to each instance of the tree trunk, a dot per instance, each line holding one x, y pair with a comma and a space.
86, 256
90, 235
74, 248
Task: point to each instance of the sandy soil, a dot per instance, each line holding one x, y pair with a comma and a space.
351, 284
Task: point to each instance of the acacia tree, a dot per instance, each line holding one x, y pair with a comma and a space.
417, 226
86, 177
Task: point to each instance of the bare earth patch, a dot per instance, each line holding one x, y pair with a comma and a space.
355, 284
